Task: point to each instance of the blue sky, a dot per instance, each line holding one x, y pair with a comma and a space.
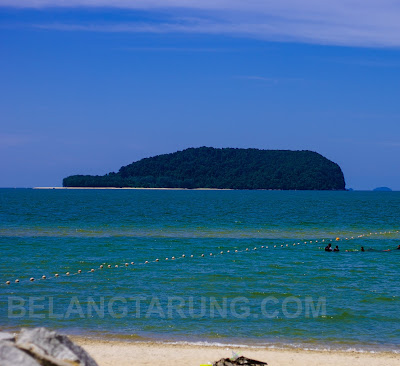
90, 85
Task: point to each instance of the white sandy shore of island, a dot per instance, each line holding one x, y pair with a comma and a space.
140, 188
110, 353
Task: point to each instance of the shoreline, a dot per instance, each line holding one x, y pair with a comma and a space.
188, 189
124, 353
222, 343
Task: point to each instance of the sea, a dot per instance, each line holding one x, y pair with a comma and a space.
204, 266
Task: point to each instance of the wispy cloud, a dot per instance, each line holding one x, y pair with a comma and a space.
366, 62
178, 49
368, 142
269, 79
14, 140
368, 23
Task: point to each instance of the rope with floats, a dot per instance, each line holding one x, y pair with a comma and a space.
183, 256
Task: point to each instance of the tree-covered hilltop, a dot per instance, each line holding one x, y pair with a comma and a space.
207, 167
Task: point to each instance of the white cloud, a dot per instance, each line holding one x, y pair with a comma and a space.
340, 22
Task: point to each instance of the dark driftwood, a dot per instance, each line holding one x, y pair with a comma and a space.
239, 361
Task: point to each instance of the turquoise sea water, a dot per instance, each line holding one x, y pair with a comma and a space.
285, 295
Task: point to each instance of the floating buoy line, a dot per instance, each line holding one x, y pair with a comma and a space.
105, 266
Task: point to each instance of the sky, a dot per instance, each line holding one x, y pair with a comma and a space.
87, 86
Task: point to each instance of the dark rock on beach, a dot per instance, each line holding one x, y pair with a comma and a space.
239, 361
12, 356
39, 346
7, 337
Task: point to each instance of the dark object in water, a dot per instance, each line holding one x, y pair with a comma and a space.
239, 361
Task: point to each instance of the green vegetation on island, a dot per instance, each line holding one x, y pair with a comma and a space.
227, 168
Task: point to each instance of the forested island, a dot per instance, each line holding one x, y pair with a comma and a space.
226, 168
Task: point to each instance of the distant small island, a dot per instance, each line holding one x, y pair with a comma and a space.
383, 189
226, 168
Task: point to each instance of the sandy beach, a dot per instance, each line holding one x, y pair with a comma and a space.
108, 353
139, 188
